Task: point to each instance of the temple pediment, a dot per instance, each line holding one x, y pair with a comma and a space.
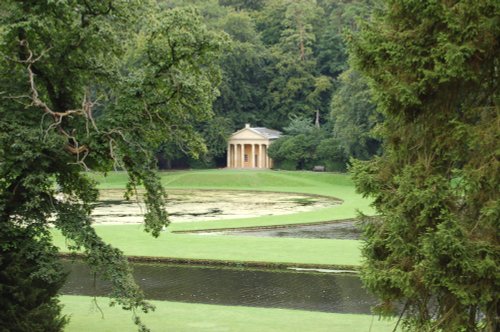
247, 133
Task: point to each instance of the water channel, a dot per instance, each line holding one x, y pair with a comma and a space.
328, 292
345, 229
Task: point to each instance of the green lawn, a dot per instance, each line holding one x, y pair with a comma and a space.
179, 317
134, 242
342, 253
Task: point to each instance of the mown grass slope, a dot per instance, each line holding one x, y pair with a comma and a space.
188, 317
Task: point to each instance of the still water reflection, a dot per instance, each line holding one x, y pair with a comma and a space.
230, 286
345, 229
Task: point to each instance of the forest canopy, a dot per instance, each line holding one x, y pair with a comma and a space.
286, 61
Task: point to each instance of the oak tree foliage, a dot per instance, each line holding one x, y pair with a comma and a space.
73, 97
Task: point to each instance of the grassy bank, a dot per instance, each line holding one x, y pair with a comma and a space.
179, 317
134, 242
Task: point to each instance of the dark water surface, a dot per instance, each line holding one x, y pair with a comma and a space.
326, 292
335, 230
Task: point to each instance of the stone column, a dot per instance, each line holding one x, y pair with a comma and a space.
233, 156
236, 155
266, 156
242, 155
268, 160
228, 163
233, 152
261, 160
253, 156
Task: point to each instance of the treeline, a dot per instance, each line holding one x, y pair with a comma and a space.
287, 69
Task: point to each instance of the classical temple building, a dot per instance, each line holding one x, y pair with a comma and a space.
247, 148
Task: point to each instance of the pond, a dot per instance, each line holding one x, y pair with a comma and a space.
197, 205
328, 292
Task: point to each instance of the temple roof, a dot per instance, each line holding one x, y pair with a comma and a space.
266, 132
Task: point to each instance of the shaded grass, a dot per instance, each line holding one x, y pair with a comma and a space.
180, 317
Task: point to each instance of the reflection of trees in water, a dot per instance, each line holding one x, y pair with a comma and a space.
230, 286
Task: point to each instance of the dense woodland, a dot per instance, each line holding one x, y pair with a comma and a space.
286, 68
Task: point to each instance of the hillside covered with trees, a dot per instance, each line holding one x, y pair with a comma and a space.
286, 67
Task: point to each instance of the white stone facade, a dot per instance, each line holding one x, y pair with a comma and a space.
247, 148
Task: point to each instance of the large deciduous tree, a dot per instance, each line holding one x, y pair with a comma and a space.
69, 102
434, 249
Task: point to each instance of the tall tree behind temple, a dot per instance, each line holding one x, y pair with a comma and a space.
296, 87
245, 70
